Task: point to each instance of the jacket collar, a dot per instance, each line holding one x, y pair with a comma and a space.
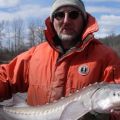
91, 26
52, 38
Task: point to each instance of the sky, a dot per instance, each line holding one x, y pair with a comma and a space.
106, 12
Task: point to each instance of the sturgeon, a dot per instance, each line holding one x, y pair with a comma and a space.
99, 97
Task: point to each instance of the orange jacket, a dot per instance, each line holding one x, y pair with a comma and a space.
47, 77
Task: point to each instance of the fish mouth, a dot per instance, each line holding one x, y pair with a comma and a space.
116, 110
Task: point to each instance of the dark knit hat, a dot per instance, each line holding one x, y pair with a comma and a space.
75, 3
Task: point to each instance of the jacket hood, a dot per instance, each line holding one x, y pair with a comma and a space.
52, 38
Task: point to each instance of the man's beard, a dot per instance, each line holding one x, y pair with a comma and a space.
68, 40
66, 37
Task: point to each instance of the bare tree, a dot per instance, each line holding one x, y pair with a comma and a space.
40, 34
31, 34
2, 32
18, 34
35, 35
8, 34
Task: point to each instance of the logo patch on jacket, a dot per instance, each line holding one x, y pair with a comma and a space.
83, 69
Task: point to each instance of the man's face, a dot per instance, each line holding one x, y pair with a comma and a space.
68, 23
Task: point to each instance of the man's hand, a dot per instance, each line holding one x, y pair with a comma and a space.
96, 116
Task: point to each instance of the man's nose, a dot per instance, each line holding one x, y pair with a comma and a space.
66, 18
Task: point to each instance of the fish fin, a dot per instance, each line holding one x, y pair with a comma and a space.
19, 99
74, 111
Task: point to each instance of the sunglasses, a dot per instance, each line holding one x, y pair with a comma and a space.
71, 14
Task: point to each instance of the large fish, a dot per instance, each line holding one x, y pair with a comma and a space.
102, 97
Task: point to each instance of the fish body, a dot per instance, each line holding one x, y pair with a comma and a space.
102, 97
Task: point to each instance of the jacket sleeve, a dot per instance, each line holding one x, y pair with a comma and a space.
111, 72
14, 76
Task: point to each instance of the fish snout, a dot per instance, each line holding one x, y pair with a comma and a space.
115, 99
116, 94
103, 102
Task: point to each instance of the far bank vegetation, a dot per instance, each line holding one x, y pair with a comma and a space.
18, 36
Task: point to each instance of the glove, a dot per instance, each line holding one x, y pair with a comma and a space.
95, 116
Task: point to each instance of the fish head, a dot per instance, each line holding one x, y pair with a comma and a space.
106, 99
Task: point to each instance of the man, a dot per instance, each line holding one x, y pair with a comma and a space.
70, 59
